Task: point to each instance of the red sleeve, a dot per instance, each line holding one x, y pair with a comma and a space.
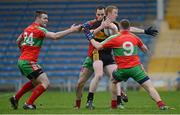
39, 34
139, 42
43, 34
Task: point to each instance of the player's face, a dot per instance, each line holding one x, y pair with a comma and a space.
43, 20
113, 15
100, 14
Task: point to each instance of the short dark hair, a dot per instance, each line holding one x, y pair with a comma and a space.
125, 24
38, 13
100, 7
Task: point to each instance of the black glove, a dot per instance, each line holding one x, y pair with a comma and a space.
151, 31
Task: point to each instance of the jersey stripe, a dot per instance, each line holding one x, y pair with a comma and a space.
121, 51
109, 38
43, 29
37, 42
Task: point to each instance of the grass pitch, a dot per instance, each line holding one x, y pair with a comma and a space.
62, 103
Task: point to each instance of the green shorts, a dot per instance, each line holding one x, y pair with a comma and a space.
88, 63
137, 73
29, 69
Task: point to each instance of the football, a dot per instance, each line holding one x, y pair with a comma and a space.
109, 31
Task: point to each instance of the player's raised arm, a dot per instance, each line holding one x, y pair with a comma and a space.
136, 30
86, 26
105, 24
149, 31
108, 25
60, 34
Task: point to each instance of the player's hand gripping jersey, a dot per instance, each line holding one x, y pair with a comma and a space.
33, 37
100, 36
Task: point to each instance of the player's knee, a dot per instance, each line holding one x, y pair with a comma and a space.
80, 84
151, 88
45, 83
99, 75
82, 80
44, 80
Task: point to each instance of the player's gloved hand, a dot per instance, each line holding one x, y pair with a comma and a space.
85, 28
89, 35
151, 31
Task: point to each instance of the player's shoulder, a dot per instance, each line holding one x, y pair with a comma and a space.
133, 35
28, 28
36, 29
41, 28
116, 24
92, 21
95, 24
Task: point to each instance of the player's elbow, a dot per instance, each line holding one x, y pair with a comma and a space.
99, 47
54, 37
58, 36
145, 50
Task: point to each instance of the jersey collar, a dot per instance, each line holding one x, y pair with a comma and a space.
124, 31
35, 24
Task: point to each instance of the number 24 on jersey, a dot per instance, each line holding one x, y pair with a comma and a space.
28, 39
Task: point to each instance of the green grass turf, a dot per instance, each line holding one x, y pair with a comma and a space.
62, 102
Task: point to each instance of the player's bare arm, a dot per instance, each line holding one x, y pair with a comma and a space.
107, 24
97, 30
104, 24
149, 31
92, 21
96, 44
58, 35
136, 30
144, 49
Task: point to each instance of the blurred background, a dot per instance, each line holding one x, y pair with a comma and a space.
62, 59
